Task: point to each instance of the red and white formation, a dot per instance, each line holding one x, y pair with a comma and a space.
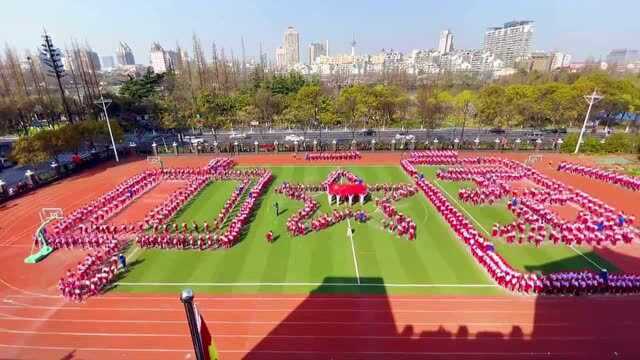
434, 157
230, 204
481, 249
630, 182
86, 227
296, 223
93, 273
596, 223
333, 156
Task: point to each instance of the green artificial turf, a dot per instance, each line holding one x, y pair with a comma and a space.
525, 257
436, 258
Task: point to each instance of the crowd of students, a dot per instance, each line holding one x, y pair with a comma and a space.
626, 181
231, 203
93, 273
333, 156
163, 212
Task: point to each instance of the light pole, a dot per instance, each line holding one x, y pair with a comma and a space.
592, 99
104, 103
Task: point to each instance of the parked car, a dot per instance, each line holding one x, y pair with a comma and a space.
497, 130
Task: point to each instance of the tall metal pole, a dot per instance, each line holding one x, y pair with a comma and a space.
592, 99
187, 299
106, 115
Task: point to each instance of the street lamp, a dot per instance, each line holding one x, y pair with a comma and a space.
592, 99
477, 142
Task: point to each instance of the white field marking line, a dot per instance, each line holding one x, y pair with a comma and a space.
302, 284
66, 348
16, 246
435, 181
353, 251
132, 254
589, 260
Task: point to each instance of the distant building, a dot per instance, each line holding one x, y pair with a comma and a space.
159, 59
560, 61
124, 55
83, 59
446, 42
107, 62
280, 58
620, 58
510, 42
291, 46
316, 50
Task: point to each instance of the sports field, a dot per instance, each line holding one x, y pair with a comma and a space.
435, 263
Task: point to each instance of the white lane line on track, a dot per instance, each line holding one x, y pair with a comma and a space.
245, 351
303, 284
67, 348
260, 336
256, 322
353, 251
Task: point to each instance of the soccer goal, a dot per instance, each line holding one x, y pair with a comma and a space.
50, 214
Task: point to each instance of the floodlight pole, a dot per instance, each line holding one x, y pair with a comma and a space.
592, 99
106, 115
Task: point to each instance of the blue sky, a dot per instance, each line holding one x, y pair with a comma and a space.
580, 27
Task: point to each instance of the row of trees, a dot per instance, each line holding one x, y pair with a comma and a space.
291, 100
48, 143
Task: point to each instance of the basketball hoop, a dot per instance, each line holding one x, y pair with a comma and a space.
50, 214
155, 160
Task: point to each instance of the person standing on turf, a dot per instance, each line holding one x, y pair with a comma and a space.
269, 237
277, 207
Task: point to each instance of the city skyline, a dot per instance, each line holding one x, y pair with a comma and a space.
560, 27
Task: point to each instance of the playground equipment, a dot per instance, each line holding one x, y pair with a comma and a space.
47, 215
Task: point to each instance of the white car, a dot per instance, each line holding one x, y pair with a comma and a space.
407, 137
297, 138
237, 136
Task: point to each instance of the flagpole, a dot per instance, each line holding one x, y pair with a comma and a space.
187, 299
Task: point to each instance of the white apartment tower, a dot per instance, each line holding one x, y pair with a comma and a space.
280, 57
511, 42
446, 42
291, 47
160, 61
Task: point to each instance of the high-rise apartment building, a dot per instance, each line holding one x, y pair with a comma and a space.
291, 47
159, 59
510, 42
124, 55
446, 42
316, 50
280, 61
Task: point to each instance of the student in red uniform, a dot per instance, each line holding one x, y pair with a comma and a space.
269, 237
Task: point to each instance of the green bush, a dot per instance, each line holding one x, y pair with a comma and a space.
616, 143
569, 144
591, 145
619, 143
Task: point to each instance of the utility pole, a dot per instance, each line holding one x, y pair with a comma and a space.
591, 99
104, 103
